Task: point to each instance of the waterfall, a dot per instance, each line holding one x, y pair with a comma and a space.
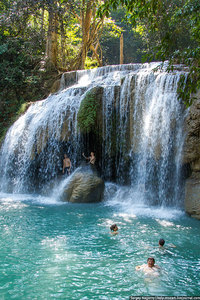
140, 133
157, 137
44, 126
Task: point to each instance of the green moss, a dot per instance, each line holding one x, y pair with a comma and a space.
23, 108
87, 115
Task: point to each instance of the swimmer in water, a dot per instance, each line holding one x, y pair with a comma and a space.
114, 229
150, 267
162, 242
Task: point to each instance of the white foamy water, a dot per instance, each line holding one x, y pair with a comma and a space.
130, 203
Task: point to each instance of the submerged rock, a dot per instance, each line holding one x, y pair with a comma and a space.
85, 186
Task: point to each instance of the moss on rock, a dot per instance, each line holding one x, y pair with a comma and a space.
89, 109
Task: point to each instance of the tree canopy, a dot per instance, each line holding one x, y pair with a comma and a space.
171, 30
41, 39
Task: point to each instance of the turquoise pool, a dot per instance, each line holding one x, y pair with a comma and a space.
51, 250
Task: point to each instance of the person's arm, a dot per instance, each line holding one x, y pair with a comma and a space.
156, 266
85, 156
172, 246
63, 166
140, 267
114, 232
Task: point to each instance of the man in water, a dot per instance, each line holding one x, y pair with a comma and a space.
66, 165
161, 243
150, 267
114, 229
91, 158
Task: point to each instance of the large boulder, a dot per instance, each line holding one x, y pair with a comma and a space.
84, 186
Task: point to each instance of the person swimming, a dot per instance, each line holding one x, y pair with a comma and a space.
114, 229
161, 242
150, 267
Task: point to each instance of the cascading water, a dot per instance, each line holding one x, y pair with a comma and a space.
157, 138
43, 127
141, 133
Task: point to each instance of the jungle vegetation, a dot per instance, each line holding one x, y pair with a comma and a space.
41, 39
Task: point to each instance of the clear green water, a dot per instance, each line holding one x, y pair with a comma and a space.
65, 251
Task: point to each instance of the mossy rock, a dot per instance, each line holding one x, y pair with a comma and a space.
89, 110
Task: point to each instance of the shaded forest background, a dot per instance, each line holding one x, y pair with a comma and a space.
39, 40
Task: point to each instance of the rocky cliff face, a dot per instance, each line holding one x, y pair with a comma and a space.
192, 159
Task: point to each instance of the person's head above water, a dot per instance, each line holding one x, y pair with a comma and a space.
150, 262
161, 242
114, 227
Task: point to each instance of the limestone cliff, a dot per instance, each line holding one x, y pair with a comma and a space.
192, 158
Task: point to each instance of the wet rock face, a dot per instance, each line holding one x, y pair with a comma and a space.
192, 195
192, 141
85, 186
69, 78
191, 155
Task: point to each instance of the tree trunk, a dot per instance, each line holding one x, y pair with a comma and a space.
86, 23
90, 26
121, 49
62, 31
42, 23
51, 46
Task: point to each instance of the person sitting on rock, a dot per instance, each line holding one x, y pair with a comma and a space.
114, 229
91, 158
66, 165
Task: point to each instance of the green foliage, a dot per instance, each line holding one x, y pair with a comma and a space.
170, 30
187, 87
90, 63
20, 77
87, 114
133, 44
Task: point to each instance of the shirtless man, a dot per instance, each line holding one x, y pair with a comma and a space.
91, 158
66, 165
150, 267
